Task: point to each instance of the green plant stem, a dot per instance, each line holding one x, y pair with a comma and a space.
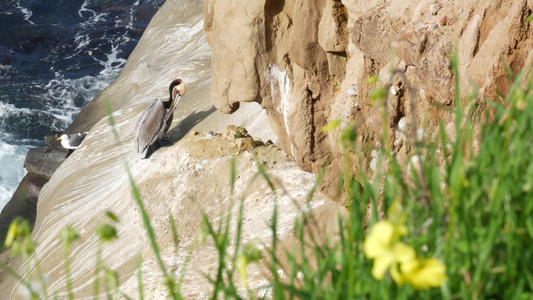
17, 277
66, 251
97, 268
139, 277
149, 231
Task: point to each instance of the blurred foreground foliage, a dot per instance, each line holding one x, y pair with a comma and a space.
457, 222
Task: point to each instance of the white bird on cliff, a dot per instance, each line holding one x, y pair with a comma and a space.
155, 120
72, 141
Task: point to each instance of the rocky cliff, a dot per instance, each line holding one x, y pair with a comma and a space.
183, 180
307, 63
304, 63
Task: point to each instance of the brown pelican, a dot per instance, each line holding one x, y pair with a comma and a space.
155, 120
72, 141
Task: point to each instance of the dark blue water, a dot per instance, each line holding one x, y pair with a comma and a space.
55, 56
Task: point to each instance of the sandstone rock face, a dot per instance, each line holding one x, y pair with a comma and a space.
44, 161
23, 203
307, 62
268, 52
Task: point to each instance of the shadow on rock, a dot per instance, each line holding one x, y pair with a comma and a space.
184, 126
23, 203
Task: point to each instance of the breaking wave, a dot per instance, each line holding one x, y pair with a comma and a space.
56, 56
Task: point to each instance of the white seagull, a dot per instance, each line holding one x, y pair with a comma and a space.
72, 141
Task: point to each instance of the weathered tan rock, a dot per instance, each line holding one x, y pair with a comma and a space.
184, 179
303, 56
44, 161
245, 143
284, 65
233, 132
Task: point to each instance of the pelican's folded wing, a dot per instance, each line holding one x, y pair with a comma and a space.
149, 125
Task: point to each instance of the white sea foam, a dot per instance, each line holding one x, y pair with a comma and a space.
132, 14
11, 170
65, 97
93, 16
8, 110
113, 61
84, 8
82, 40
26, 12
30, 117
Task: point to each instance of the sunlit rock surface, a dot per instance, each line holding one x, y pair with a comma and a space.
307, 63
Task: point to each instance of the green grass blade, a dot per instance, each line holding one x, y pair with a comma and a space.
139, 277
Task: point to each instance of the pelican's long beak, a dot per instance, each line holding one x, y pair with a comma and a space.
178, 92
173, 106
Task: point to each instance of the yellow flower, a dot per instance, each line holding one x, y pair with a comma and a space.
423, 274
383, 246
396, 216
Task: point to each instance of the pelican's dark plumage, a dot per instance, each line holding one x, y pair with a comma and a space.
155, 120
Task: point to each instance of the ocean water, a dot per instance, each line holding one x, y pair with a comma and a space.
55, 56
